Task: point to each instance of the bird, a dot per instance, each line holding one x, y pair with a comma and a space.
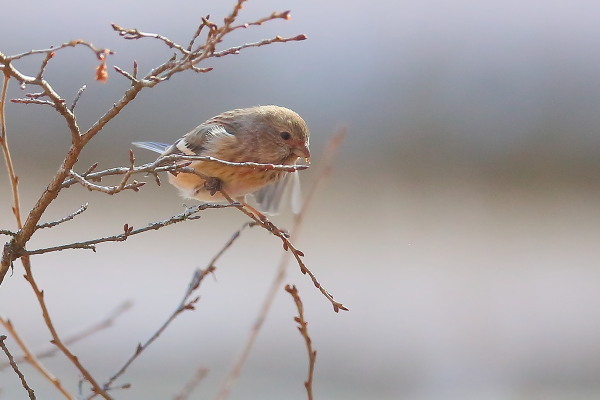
262, 134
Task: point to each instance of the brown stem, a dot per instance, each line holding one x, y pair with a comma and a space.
32, 359
13, 364
303, 328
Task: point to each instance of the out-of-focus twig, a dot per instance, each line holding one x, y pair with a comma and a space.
31, 358
326, 163
12, 176
105, 323
15, 367
190, 385
303, 328
56, 340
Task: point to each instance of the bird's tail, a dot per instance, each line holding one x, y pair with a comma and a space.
153, 146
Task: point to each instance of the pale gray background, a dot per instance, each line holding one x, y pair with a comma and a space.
460, 225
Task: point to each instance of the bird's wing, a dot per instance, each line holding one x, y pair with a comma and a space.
153, 146
271, 197
196, 141
192, 143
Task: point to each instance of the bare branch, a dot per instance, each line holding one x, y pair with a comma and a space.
16, 368
97, 51
33, 101
185, 304
230, 242
7, 232
133, 34
164, 164
286, 15
77, 97
135, 185
39, 294
205, 23
263, 221
125, 74
129, 231
64, 219
276, 39
260, 166
32, 359
302, 327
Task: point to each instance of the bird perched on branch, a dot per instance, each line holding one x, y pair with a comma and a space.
262, 134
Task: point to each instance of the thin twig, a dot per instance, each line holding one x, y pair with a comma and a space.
237, 365
56, 340
276, 39
125, 74
77, 97
230, 242
205, 23
135, 185
185, 304
129, 231
302, 327
263, 221
286, 15
12, 176
64, 219
105, 323
132, 34
190, 385
171, 163
98, 52
33, 101
32, 359
7, 232
259, 166
30, 392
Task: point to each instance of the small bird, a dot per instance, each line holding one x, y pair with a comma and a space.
261, 134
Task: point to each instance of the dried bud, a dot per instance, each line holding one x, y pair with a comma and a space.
102, 73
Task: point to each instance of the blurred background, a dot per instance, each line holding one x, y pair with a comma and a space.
460, 224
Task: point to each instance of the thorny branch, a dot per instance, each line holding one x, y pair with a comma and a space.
302, 327
14, 366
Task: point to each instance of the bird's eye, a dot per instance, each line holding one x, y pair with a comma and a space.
285, 135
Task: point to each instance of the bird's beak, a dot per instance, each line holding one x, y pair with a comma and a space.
302, 151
